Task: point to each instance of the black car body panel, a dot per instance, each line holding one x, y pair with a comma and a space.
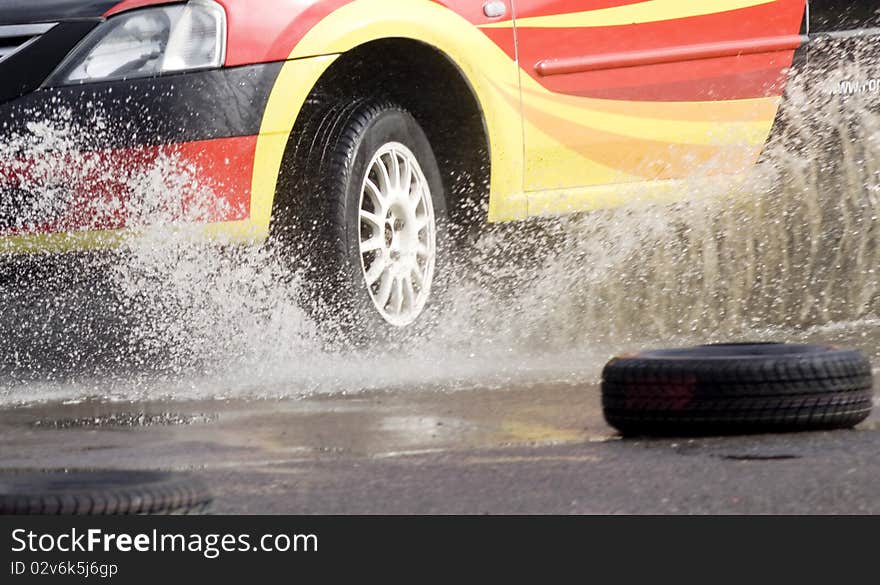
149, 111
30, 63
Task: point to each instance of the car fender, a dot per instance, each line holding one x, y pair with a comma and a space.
490, 71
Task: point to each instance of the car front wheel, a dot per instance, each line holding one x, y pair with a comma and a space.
368, 218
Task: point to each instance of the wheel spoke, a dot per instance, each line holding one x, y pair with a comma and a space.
384, 179
397, 296
395, 170
415, 195
373, 219
379, 202
422, 250
422, 222
409, 293
406, 181
416, 275
377, 269
373, 244
384, 289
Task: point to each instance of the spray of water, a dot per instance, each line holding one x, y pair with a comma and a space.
789, 253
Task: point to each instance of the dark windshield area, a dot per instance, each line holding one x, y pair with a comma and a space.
835, 15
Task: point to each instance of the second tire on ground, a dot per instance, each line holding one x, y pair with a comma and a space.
726, 388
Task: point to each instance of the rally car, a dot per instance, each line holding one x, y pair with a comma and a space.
361, 132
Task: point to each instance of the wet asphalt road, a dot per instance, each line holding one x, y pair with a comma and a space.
537, 449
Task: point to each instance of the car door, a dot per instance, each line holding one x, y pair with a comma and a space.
621, 92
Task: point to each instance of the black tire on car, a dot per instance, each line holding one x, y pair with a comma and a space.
322, 227
737, 388
100, 493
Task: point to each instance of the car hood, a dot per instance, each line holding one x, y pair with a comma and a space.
30, 11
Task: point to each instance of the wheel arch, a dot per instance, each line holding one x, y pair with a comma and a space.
490, 75
429, 85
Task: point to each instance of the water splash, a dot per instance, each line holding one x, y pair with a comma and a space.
789, 253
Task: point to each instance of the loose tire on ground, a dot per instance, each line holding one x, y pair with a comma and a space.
98, 493
737, 388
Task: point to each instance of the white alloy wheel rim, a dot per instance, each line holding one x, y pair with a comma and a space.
397, 234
